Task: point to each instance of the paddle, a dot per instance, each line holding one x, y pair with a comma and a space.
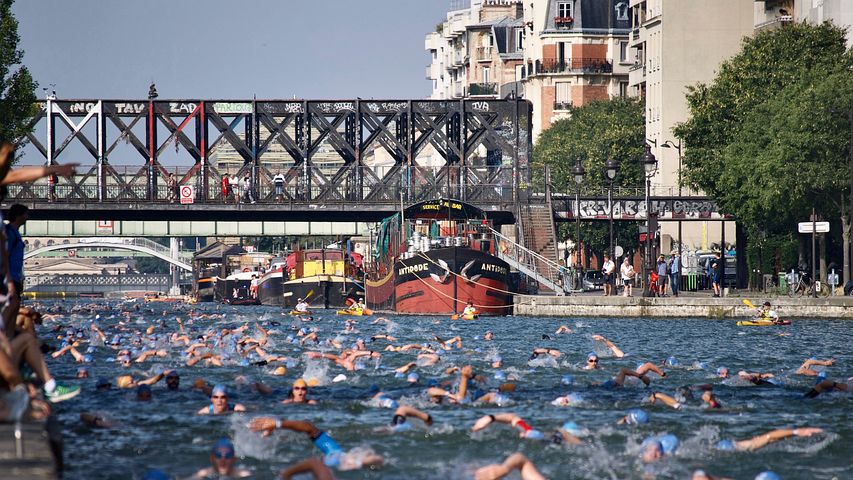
350, 302
749, 304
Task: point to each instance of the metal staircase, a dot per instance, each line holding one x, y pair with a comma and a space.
532, 264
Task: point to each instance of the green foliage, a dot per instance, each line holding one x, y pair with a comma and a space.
595, 132
17, 88
151, 265
730, 134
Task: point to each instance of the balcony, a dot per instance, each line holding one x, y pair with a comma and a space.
482, 89
563, 22
574, 65
484, 54
562, 105
774, 23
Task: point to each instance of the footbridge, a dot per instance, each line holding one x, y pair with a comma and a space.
171, 255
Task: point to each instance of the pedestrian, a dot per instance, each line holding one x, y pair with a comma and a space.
249, 197
234, 186
716, 267
172, 185
278, 181
675, 272
609, 268
662, 276
226, 188
628, 274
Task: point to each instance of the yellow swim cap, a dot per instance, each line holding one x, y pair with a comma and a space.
279, 371
124, 381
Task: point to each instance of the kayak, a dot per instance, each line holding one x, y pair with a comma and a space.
355, 313
297, 312
469, 317
761, 323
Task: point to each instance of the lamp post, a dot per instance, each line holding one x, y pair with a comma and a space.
578, 172
650, 164
611, 167
677, 147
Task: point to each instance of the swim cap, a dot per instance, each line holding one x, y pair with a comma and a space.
501, 399
573, 428
172, 374
223, 445
124, 381
402, 427
103, 383
312, 382
497, 358
279, 371
143, 388
219, 388
722, 371
500, 375
636, 417
669, 443
652, 441
413, 377
567, 380
300, 382
725, 445
399, 375
672, 361
768, 475
88, 359
386, 402
591, 355
332, 460
534, 434
155, 475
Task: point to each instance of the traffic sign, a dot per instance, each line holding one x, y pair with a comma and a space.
187, 194
820, 227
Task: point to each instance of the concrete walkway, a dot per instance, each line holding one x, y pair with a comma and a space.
587, 305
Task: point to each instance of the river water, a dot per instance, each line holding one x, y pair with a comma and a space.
166, 433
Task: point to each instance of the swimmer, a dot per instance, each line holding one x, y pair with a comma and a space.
545, 351
143, 393
830, 386
665, 399
223, 462
219, 403
613, 348
563, 329
516, 461
701, 475
95, 421
437, 394
403, 412
173, 380
761, 441
591, 362
525, 430
656, 447
299, 394
723, 372
333, 455
757, 378
806, 367
314, 466
489, 336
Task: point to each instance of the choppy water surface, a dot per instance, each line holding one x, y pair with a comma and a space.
166, 433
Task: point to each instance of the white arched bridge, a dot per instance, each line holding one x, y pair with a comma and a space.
141, 245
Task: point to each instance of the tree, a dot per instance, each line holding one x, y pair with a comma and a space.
17, 88
594, 133
762, 139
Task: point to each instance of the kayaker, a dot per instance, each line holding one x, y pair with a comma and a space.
469, 310
764, 312
301, 305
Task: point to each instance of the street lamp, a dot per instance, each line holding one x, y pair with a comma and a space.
650, 164
611, 167
677, 147
578, 172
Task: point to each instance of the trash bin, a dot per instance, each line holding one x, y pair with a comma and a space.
783, 282
692, 282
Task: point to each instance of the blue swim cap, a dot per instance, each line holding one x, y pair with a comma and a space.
669, 443
725, 445
652, 441
672, 361
573, 428
223, 445
575, 398
720, 370
102, 382
432, 382
567, 380
591, 355
386, 402
399, 375
172, 374
413, 377
402, 427
636, 417
500, 375
219, 388
768, 475
87, 358
155, 475
534, 434
497, 358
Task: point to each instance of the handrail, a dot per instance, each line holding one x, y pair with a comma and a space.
531, 260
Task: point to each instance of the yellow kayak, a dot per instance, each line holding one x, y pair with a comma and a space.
355, 313
761, 323
297, 312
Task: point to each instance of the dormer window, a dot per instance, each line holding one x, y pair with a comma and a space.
564, 9
622, 11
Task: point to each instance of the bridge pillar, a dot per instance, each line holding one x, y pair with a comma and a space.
174, 252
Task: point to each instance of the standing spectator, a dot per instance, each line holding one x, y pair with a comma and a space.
628, 274
675, 272
17, 217
253, 286
247, 190
278, 181
226, 188
234, 185
609, 268
716, 267
172, 185
662, 276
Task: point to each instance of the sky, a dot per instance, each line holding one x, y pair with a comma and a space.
219, 49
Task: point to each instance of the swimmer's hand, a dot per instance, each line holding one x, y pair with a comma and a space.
598, 338
806, 431
263, 424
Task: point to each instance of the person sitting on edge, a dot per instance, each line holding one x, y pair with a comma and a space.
469, 310
299, 393
333, 455
516, 461
761, 441
223, 462
219, 403
301, 306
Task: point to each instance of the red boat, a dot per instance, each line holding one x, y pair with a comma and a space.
435, 258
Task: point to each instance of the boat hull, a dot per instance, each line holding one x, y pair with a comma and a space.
271, 289
206, 289
321, 291
443, 281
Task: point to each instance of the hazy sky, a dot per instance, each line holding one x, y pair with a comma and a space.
313, 49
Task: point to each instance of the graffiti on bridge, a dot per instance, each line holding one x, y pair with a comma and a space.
674, 209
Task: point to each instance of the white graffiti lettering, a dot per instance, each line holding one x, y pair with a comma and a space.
130, 107
481, 106
81, 107
175, 107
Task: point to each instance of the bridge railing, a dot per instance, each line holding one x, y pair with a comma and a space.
327, 185
98, 283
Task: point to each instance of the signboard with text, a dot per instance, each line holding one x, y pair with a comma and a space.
187, 194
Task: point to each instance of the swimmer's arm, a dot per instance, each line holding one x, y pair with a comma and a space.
486, 420
152, 380
77, 355
62, 351
407, 411
405, 368
763, 440
31, 174
314, 465
612, 346
516, 461
568, 437
563, 329
239, 407
467, 372
665, 399
192, 361
203, 411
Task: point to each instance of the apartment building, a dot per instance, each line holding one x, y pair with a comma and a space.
476, 51
776, 13
577, 51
